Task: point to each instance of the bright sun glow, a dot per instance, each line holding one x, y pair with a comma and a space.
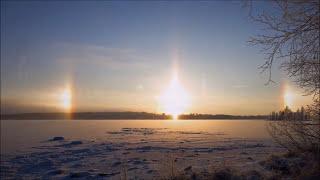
175, 99
66, 99
288, 99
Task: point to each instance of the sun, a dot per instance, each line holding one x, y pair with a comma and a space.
66, 99
288, 96
288, 99
175, 99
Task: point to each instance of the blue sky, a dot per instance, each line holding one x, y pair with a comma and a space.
121, 56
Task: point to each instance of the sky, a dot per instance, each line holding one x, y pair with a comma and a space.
192, 57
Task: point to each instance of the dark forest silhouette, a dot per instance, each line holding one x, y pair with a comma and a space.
288, 114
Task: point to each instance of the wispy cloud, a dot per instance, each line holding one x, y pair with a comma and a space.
109, 57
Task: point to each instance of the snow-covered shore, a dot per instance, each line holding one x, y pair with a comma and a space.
136, 153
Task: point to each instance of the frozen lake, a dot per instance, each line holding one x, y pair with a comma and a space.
21, 135
103, 148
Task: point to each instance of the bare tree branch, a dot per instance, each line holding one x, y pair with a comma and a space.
292, 36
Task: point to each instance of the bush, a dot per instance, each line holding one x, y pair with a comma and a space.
299, 136
290, 165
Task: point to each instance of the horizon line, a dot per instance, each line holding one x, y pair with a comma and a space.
159, 113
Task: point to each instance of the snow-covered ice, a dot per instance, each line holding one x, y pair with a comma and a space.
137, 152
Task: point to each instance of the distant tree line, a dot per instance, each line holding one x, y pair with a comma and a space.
287, 114
85, 116
118, 115
219, 116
